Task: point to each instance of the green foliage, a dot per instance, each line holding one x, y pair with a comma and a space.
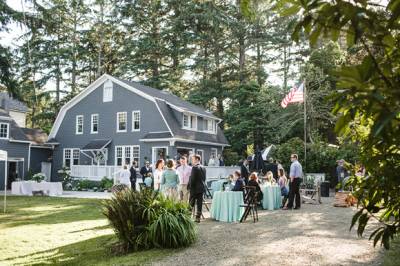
368, 100
142, 220
230, 157
106, 183
321, 157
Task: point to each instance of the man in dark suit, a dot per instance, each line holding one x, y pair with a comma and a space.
196, 185
146, 171
244, 171
133, 175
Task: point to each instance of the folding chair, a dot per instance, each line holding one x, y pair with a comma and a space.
250, 199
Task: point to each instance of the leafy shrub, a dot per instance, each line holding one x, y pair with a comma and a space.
106, 183
231, 157
145, 219
84, 184
171, 226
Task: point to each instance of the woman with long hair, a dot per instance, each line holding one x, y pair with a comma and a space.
158, 174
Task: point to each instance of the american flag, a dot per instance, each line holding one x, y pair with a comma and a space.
296, 95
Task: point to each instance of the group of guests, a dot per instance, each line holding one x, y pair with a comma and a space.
274, 174
219, 161
175, 179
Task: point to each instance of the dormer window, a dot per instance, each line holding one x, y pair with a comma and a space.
108, 91
209, 125
4, 130
189, 122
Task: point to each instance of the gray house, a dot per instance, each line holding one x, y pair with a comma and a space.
27, 149
114, 122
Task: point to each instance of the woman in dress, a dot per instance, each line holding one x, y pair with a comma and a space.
124, 177
270, 178
170, 180
282, 184
253, 182
158, 174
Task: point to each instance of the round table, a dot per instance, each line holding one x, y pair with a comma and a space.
217, 185
271, 197
225, 206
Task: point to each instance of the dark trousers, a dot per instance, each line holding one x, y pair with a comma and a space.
294, 192
133, 184
196, 198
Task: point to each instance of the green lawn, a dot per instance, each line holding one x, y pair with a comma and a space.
43, 230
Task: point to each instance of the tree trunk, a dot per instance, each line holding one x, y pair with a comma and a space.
100, 50
259, 57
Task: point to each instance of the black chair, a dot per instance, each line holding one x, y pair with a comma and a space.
207, 198
250, 203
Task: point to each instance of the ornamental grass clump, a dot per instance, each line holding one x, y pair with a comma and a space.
146, 219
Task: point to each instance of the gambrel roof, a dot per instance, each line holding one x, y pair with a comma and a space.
166, 103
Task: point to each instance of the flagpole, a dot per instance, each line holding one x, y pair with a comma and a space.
305, 125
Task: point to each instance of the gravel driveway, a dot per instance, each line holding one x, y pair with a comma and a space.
314, 235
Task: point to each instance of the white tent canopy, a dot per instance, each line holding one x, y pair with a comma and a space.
265, 152
3, 157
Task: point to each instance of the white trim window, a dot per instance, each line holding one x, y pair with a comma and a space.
71, 157
189, 121
4, 130
79, 125
94, 124
127, 154
136, 121
209, 125
186, 121
122, 121
108, 91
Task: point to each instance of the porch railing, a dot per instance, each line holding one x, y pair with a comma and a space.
94, 172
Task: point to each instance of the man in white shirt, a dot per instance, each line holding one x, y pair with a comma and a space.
184, 171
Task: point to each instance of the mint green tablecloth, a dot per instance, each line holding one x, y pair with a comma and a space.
272, 197
217, 185
226, 206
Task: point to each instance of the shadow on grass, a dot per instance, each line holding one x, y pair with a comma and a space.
49, 210
94, 251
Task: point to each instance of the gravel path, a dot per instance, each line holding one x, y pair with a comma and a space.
314, 235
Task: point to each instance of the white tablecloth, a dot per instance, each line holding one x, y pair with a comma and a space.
26, 188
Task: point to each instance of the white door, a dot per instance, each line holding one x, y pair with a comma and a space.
159, 153
46, 170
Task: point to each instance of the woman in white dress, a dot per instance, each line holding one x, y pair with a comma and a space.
124, 177
158, 174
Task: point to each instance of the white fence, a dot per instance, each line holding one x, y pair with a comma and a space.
217, 172
94, 172
97, 172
